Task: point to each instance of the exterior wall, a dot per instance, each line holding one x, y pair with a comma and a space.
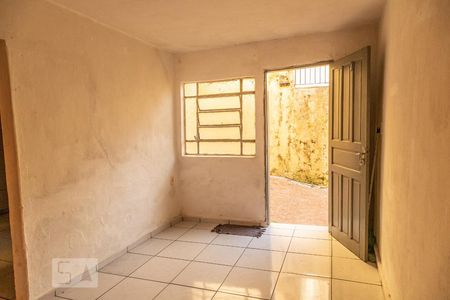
94, 120
298, 129
234, 188
414, 206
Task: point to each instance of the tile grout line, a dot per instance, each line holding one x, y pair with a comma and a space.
244, 267
171, 282
306, 238
248, 247
111, 287
232, 267
128, 276
123, 278
262, 249
134, 270
359, 282
167, 284
157, 253
248, 268
282, 265
231, 294
195, 242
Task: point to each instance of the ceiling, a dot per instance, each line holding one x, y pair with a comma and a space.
189, 25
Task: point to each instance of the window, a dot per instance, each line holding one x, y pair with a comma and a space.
312, 77
219, 118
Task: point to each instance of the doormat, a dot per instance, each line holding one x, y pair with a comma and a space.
254, 231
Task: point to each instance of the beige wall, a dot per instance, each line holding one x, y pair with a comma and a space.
414, 227
94, 122
234, 188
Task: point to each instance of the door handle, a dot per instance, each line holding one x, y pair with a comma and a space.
362, 156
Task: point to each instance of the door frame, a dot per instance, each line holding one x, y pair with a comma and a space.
12, 178
266, 130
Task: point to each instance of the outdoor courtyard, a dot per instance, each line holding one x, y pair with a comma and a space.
297, 203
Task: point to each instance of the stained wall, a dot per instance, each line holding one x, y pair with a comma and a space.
297, 129
94, 119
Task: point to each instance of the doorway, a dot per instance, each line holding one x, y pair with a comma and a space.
348, 149
297, 144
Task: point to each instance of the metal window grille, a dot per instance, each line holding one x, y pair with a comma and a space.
312, 76
219, 118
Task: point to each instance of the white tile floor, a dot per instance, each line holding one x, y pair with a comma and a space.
188, 262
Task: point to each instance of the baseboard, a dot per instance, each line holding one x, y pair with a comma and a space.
174, 221
222, 221
384, 286
104, 262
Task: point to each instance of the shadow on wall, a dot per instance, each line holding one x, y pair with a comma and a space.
298, 129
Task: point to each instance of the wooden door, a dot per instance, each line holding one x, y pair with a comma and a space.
348, 156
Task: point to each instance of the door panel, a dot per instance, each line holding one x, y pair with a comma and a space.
348, 157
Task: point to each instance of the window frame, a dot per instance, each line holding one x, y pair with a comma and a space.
198, 140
